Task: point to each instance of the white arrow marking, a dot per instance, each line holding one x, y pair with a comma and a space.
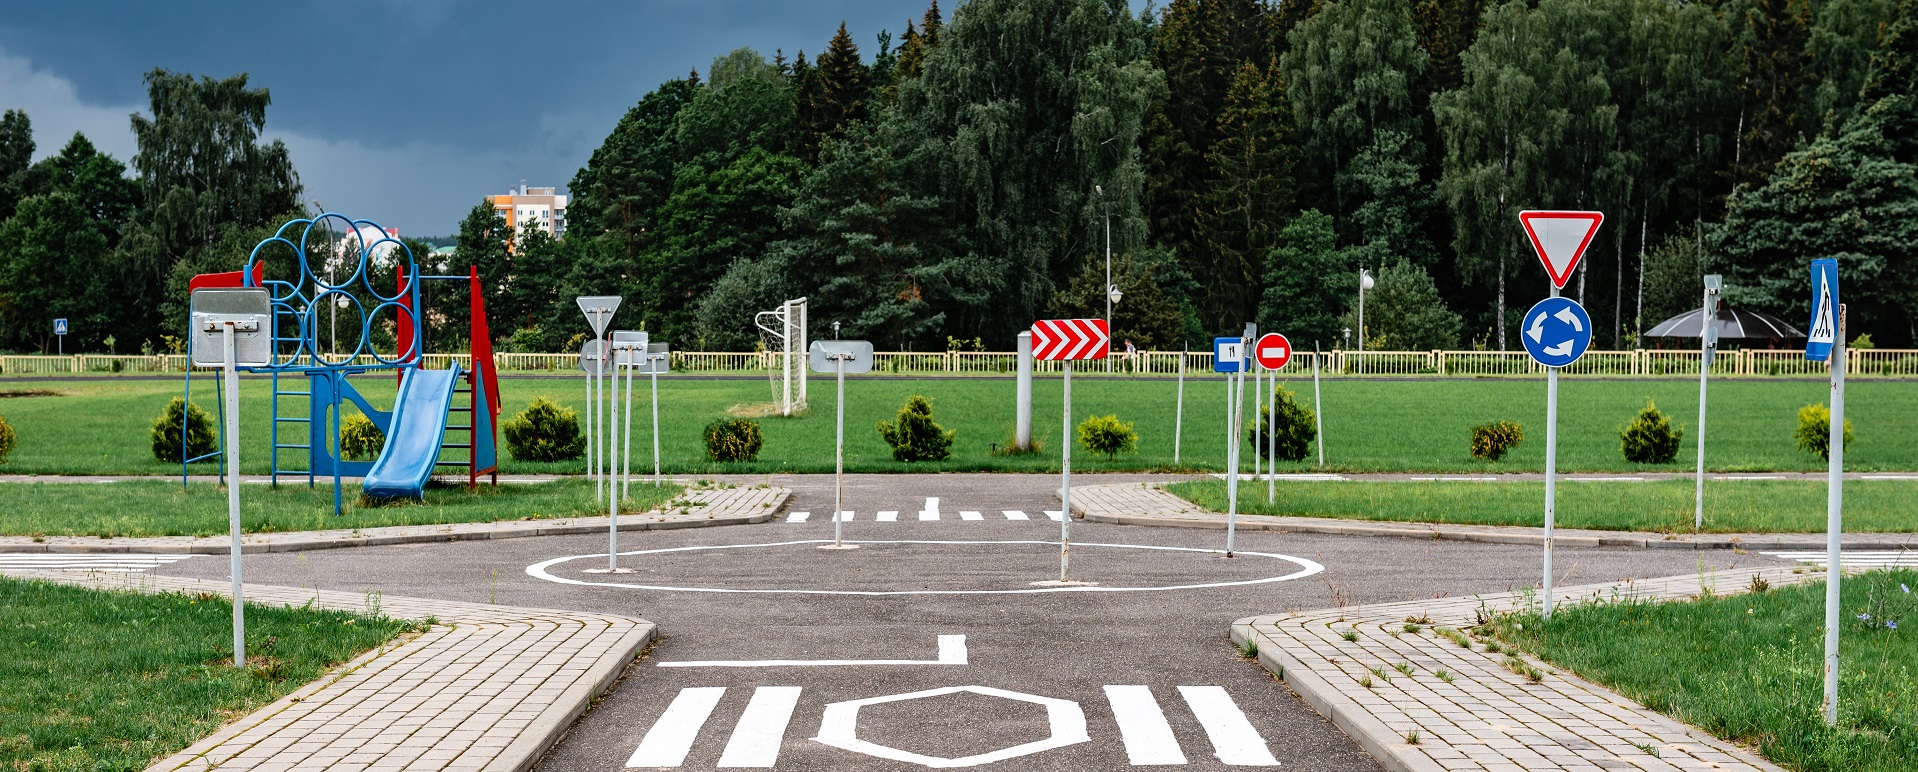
952, 651
1537, 330
1565, 315
1560, 350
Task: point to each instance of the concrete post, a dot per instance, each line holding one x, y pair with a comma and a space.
1022, 433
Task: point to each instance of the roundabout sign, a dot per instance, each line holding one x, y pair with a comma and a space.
1292, 567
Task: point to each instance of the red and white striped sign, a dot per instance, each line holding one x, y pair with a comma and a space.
1070, 339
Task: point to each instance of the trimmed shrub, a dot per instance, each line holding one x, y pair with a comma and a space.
165, 434
914, 437
733, 439
1492, 441
1814, 430
7, 439
1294, 428
1107, 434
1650, 438
544, 431
360, 439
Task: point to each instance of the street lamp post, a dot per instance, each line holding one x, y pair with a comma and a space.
1365, 283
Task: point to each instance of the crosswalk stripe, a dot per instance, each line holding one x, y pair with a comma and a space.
931, 512
1854, 558
888, 516
1013, 514
798, 517
970, 515
672, 736
114, 562
845, 516
1234, 740
1148, 738
761, 729
1054, 515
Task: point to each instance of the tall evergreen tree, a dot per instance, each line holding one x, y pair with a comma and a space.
839, 97
1308, 281
51, 267
620, 189
16, 154
1768, 43
917, 43
1248, 194
714, 217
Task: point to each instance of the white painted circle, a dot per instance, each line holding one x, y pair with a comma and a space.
1306, 568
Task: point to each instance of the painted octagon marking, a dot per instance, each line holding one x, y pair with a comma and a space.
839, 728
542, 570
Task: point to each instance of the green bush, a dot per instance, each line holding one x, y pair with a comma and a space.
733, 439
7, 439
544, 431
1650, 438
1492, 441
914, 437
360, 439
1107, 434
200, 439
1294, 430
1814, 430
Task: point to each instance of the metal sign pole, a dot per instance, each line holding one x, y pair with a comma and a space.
839, 457
626, 453
655, 376
1272, 444
232, 378
1065, 478
1551, 470
591, 469
1707, 343
1318, 405
1258, 388
1834, 516
1235, 419
599, 379
612, 468
1178, 416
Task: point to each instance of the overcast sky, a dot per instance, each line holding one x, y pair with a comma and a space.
404, 111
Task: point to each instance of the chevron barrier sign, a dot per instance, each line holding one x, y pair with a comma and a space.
1057, 339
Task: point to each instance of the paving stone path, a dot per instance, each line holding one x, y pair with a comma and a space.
488, 688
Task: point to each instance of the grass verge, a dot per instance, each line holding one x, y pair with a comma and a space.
165, 509
1749, 668
99, 426
1664, 506
96, 680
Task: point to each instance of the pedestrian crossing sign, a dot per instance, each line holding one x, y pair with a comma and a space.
1824, 310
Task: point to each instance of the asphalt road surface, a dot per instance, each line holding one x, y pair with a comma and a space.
979, 666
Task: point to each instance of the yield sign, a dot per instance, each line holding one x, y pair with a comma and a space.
1273, 351
1560, 239
1070, 339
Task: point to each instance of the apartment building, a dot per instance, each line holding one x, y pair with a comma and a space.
544, 208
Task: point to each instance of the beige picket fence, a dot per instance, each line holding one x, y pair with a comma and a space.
1885, 363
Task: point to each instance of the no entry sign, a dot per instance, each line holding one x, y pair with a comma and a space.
1273, 351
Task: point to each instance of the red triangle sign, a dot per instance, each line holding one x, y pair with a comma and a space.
1560, 239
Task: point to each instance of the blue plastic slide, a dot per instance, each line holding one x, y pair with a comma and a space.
413, 445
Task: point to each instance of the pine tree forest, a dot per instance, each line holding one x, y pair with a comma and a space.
1238, 160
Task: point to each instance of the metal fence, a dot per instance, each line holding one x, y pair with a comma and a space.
1884, 363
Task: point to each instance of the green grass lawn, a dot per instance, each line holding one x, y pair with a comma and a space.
113, 681
1749, 668
1731, 506
100, 425
164, 509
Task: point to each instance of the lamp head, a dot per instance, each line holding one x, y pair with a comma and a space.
1114, 293
1365, 279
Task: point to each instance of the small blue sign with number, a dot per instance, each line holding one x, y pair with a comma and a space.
1556, 332
59, 326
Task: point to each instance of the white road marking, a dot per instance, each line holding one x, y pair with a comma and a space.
1605, 479
1888, 477
1054, 515
1455, 478
887, 516
1233, 738
542, 570
952, 651
119, 563
844, 517
672, 736
838, 728
1299, 477
1013, 514
1742, 477
1148, 738
931, 512
1855, 558
761, 729
970, 515
798, 517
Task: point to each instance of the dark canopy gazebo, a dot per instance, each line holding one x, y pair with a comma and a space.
1734, 324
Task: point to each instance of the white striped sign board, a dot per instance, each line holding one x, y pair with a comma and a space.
1054, 339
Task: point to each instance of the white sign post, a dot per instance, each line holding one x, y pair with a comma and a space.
629, 352
1559, 239
1272, 353
599, 314
237, 324
1707, 350
659, 359
1178, 415
840, 357
1064, 340
1827, 343
1318, 406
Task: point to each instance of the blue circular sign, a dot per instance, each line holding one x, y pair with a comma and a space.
1556, 332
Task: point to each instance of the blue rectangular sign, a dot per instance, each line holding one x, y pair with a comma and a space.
59, 326
1228, 355
1823, 333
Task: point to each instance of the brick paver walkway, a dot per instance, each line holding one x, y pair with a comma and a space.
1486, 717
693, 509
488, 688
1150, 504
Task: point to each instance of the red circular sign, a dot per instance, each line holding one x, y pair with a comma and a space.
1273, 351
